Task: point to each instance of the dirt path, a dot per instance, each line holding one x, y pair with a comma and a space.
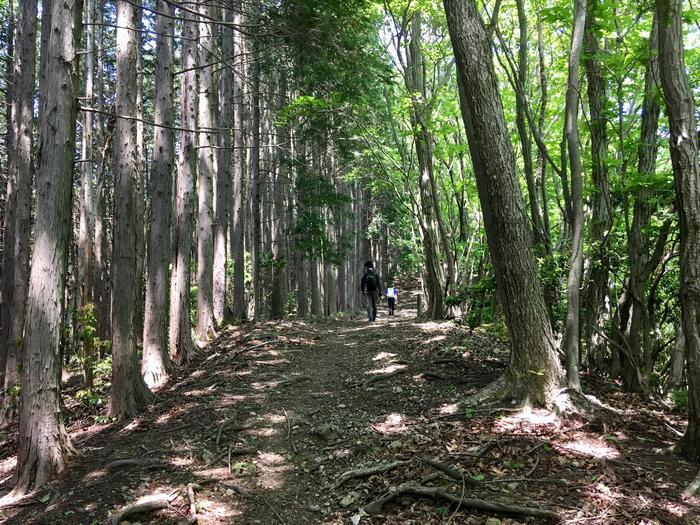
278, 411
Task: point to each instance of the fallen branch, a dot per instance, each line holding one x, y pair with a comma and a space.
364, 472
382, 377
375, 507
147, 504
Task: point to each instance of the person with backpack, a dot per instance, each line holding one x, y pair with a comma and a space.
370, 286
392, 297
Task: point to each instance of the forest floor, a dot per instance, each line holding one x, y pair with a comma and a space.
268, 419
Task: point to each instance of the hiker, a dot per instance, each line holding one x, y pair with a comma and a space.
392, 297
370, 286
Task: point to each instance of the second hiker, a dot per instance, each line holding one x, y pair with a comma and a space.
370, 286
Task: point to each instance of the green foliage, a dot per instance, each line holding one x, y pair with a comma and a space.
89, 397
679, 399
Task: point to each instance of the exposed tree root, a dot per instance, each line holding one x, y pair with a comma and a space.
375, 507
363, 473
147, 504
225, 423
450, 472
294, 380
191, 487
238, 489
433, 375
692, 488
119, 463
381, 377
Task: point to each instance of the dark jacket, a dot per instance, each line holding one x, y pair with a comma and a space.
363, 282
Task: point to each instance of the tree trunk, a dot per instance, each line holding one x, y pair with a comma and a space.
686, 172
415, 82
18, 215
596, 289
156, 361
181, 345
129, 392
571, 342
204, 327
279, 261
538, 235
638, 244
534, 372
223, 176
239, 163
43, 441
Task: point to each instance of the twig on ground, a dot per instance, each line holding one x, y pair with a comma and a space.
275, 511
147, 504
363, 473
534, 466
289, 424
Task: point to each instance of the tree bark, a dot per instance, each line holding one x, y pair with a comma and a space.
43, 441
156, 360
686, 172
204, 327
534, 372
639, 242
256, 183
181, 345
415, 83
223, 176
18, 200
571, 342
596, 289
129, 393
239, 163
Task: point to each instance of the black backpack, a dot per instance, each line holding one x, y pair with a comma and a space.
372, 281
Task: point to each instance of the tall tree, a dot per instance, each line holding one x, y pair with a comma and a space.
415, 82
223, 175
181, 344
255, 182
156, 360
207, 143
596, 288
686, 173
239, 163
43, 442
129, 392
17, 232
534, 372
572, 339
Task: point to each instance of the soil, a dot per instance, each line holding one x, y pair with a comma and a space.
268, 418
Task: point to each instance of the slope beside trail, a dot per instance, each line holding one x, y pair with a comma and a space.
266, 421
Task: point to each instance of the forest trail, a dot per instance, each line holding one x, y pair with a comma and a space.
279, 411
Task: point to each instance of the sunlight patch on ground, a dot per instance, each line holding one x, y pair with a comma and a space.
527, 419
263, 432
275, 418
270, 477
386, 370
181, 462
435, 339
393, 424
590, 447
271, 459
210, 509
383, 355
449, 409
432, 326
